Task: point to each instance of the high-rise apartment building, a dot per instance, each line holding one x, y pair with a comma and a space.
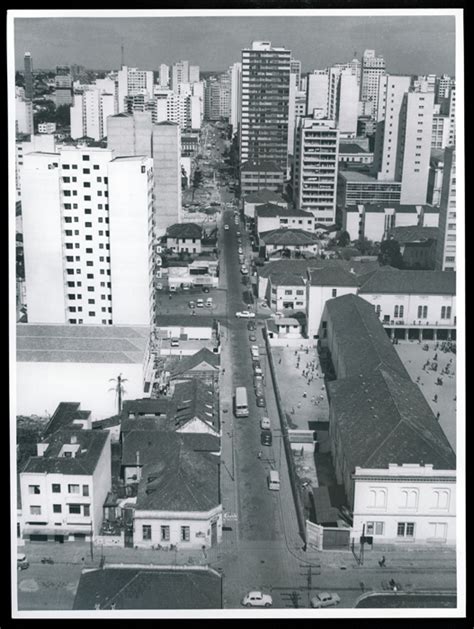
217, 97
63, 86
44, 143
440, 134
372, 69
86, 224
23, 116
295, 68
183, 109
235, 72
29, 83
131, 81
265, 95
446, 244
296, 109
443, 87
89, 113
194, 74
334, 94
164, 76
403, 137
347, 103
179, 74
136, 135
317, 93
315, 167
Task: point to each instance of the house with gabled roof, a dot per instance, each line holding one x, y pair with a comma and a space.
270, 216
388, 449
194, 407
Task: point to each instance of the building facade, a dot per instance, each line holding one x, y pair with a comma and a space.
132, 81
29, 81
90, 112
372, 69
265, 96
446, 251
23, 116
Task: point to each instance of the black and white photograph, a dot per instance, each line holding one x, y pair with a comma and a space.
236, 313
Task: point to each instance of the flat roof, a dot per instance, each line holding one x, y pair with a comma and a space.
357, 176
81, 343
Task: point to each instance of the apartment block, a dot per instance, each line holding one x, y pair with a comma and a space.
63, 86
68, 206
372, 69
217, 102
131, 81
167, 173
89, 114
235, 72
265, 95
179, 74
23, 116
315, 168
446, 251
29, 82
164, 76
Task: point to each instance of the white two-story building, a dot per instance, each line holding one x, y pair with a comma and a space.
271, 216
64, 487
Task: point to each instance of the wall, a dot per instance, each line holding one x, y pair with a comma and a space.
317, 297
267, 223
299, 300
101, 484
410, 304
199, 523
87, 382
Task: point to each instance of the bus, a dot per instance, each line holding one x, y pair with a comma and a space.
241, 402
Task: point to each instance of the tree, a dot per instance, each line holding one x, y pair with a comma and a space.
119, 390
344, 239
197, 180
390, 253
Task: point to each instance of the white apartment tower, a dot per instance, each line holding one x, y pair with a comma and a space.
86, 216
23, 116
403, 137
372, 69
446, 244
315, 167
235, 72
179, 74
164, 75
194, 74
131, 81
89, 114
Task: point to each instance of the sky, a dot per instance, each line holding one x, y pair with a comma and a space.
410, 44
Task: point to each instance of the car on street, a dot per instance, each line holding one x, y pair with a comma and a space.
244, 270
251, 326
257, 369
240, 250
205, 289
325, 599
259, 389
252, 337
265, 423
257, 599
245, 314
237, 233
186, 287
192, 304
22, 562
260, 401
200, 303
226, 227
266, 437
264, 304
239, 241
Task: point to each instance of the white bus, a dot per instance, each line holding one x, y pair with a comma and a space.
241, 402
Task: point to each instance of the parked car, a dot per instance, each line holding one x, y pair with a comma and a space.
174, 343
192, 304
265, 423
226, 227
257, 599
186, 287
22, 562
261, 401
205, 289
266, 437
240, 250
200, 303
245, 314
252, 337
257, 369
251, 326
325, 599
244, 270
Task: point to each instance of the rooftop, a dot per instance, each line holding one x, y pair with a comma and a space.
397, 207
154, 444
194, 400
332, 276
64, 415
81, 343
264, 166
361, 336
130, 588
413, 233
202, 359
289, 237
145, 406
271, 209
360, 177
184, 230
351, 148
91, 444
262, 196
411, 282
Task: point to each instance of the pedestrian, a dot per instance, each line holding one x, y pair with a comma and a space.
418, 380
313, 399
293, 410
438, 415
305, 394
435, 357
435, 399
382, 562
279, 362
299, 405
259, 454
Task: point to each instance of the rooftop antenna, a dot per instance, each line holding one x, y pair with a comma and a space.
122, 55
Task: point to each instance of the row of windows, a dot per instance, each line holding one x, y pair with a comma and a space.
165, 533
68, 219
84, 510
56, 489
408, 498
74, 206
398, 312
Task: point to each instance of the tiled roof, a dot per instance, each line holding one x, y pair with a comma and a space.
81, 343
262, 196
272, 210
193, 399
288, 237
91, 442
146, 405
413, 233
287, 279
351, 148
383, 418
260, 167
128, 425
188, 363
411, 283
152, 444
131, 588
64, 415
332, 276
184, 230
361, 335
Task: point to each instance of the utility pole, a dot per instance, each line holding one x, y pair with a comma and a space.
308, 573
362, 544
92, 543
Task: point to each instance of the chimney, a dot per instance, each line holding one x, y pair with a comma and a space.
73, 438
138, 458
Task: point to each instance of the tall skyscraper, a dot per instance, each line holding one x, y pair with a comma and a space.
217, 97
372, 68
63, 86
403, 137
179, 74
86, 224
164, 75
446, 244
295, 68
265, 95
315, 167
89, 114
194, 74
317, 93
235, 71
131, 81
23, 116
29, 84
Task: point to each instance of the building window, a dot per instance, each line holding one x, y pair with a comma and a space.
56, 488
34, 489
73, 489
165, 533
57, 509
446, 312
35, 510
406, 529
146, 532
334, 292
375, 528
422, 312
185, 533
378, 498
87, 510
409, 499
85, 490
438, 530
75, 509
86, 158
441, 499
